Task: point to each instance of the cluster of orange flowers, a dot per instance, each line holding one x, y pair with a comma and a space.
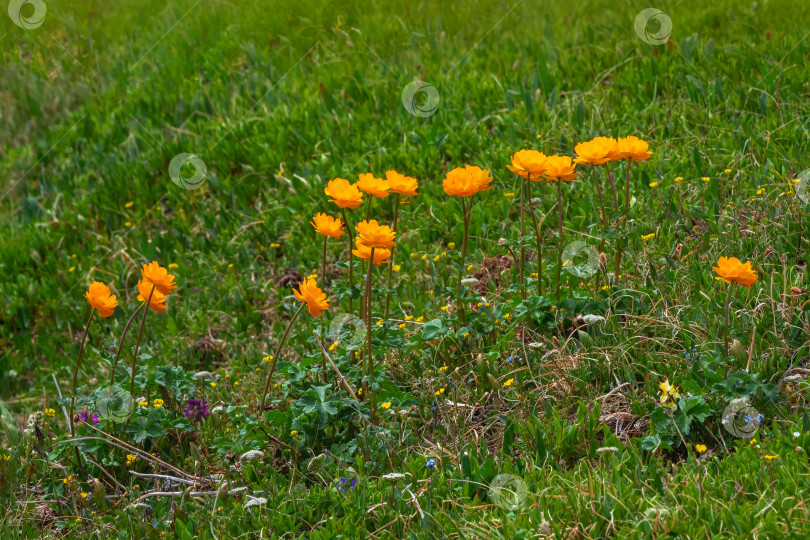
155, 285
538, 167
372, 241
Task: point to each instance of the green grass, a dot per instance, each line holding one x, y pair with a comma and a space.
277, 98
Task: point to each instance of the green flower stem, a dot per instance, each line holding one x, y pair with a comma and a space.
366, 392
728, 303
138, 343
275, 357
522, 233
76, 371
121, 345
351, 259
391, 264
467, 212
539, 240
560, 239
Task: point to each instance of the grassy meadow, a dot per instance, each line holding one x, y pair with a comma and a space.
610, 385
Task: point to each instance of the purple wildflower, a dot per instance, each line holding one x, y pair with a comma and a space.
349, 486
197, 410
84, 417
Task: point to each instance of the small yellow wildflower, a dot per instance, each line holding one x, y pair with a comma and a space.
173, 266
402, 326
83, 495
466, 334
507, 316
294, 433
771, 457
396, 268
334, 345
728, 171
414, 255
752, 442
409, 317
379, 323
268, 358
439, 392
275, 245
212, 384
443, 369
386, 405
424, 257
509, 195
71, 269
436, 258
445, 307
131, 458
648, 237
130, 204
509, 382
236, 383
359, 391
451, 245
420, 319
700, 448
605, 287
127, 224
534, 275
653, 184
678, 179
143, 403
158, 403
470, 268
705, 178
50, 412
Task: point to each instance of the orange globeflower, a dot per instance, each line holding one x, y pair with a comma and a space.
343, 193
597, 151
467, 181
99, 297
327, 225
158, 301
633, 148
381, 255
731, 270
316, 300
612, 146
399, 183
373, 235
560, 169
529, 162
156, 275
376, 187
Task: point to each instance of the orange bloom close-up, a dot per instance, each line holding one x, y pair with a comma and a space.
99, 297
731, 270
373, 235
399, 183
466, 181
381, 255
343, 193
597, 151
158, 301
155, 274
327, 225
560, 169
376, 187
316, 300
633, 148
529, 164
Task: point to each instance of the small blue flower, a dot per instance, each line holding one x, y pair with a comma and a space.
747, 419
512, 358
431, 463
